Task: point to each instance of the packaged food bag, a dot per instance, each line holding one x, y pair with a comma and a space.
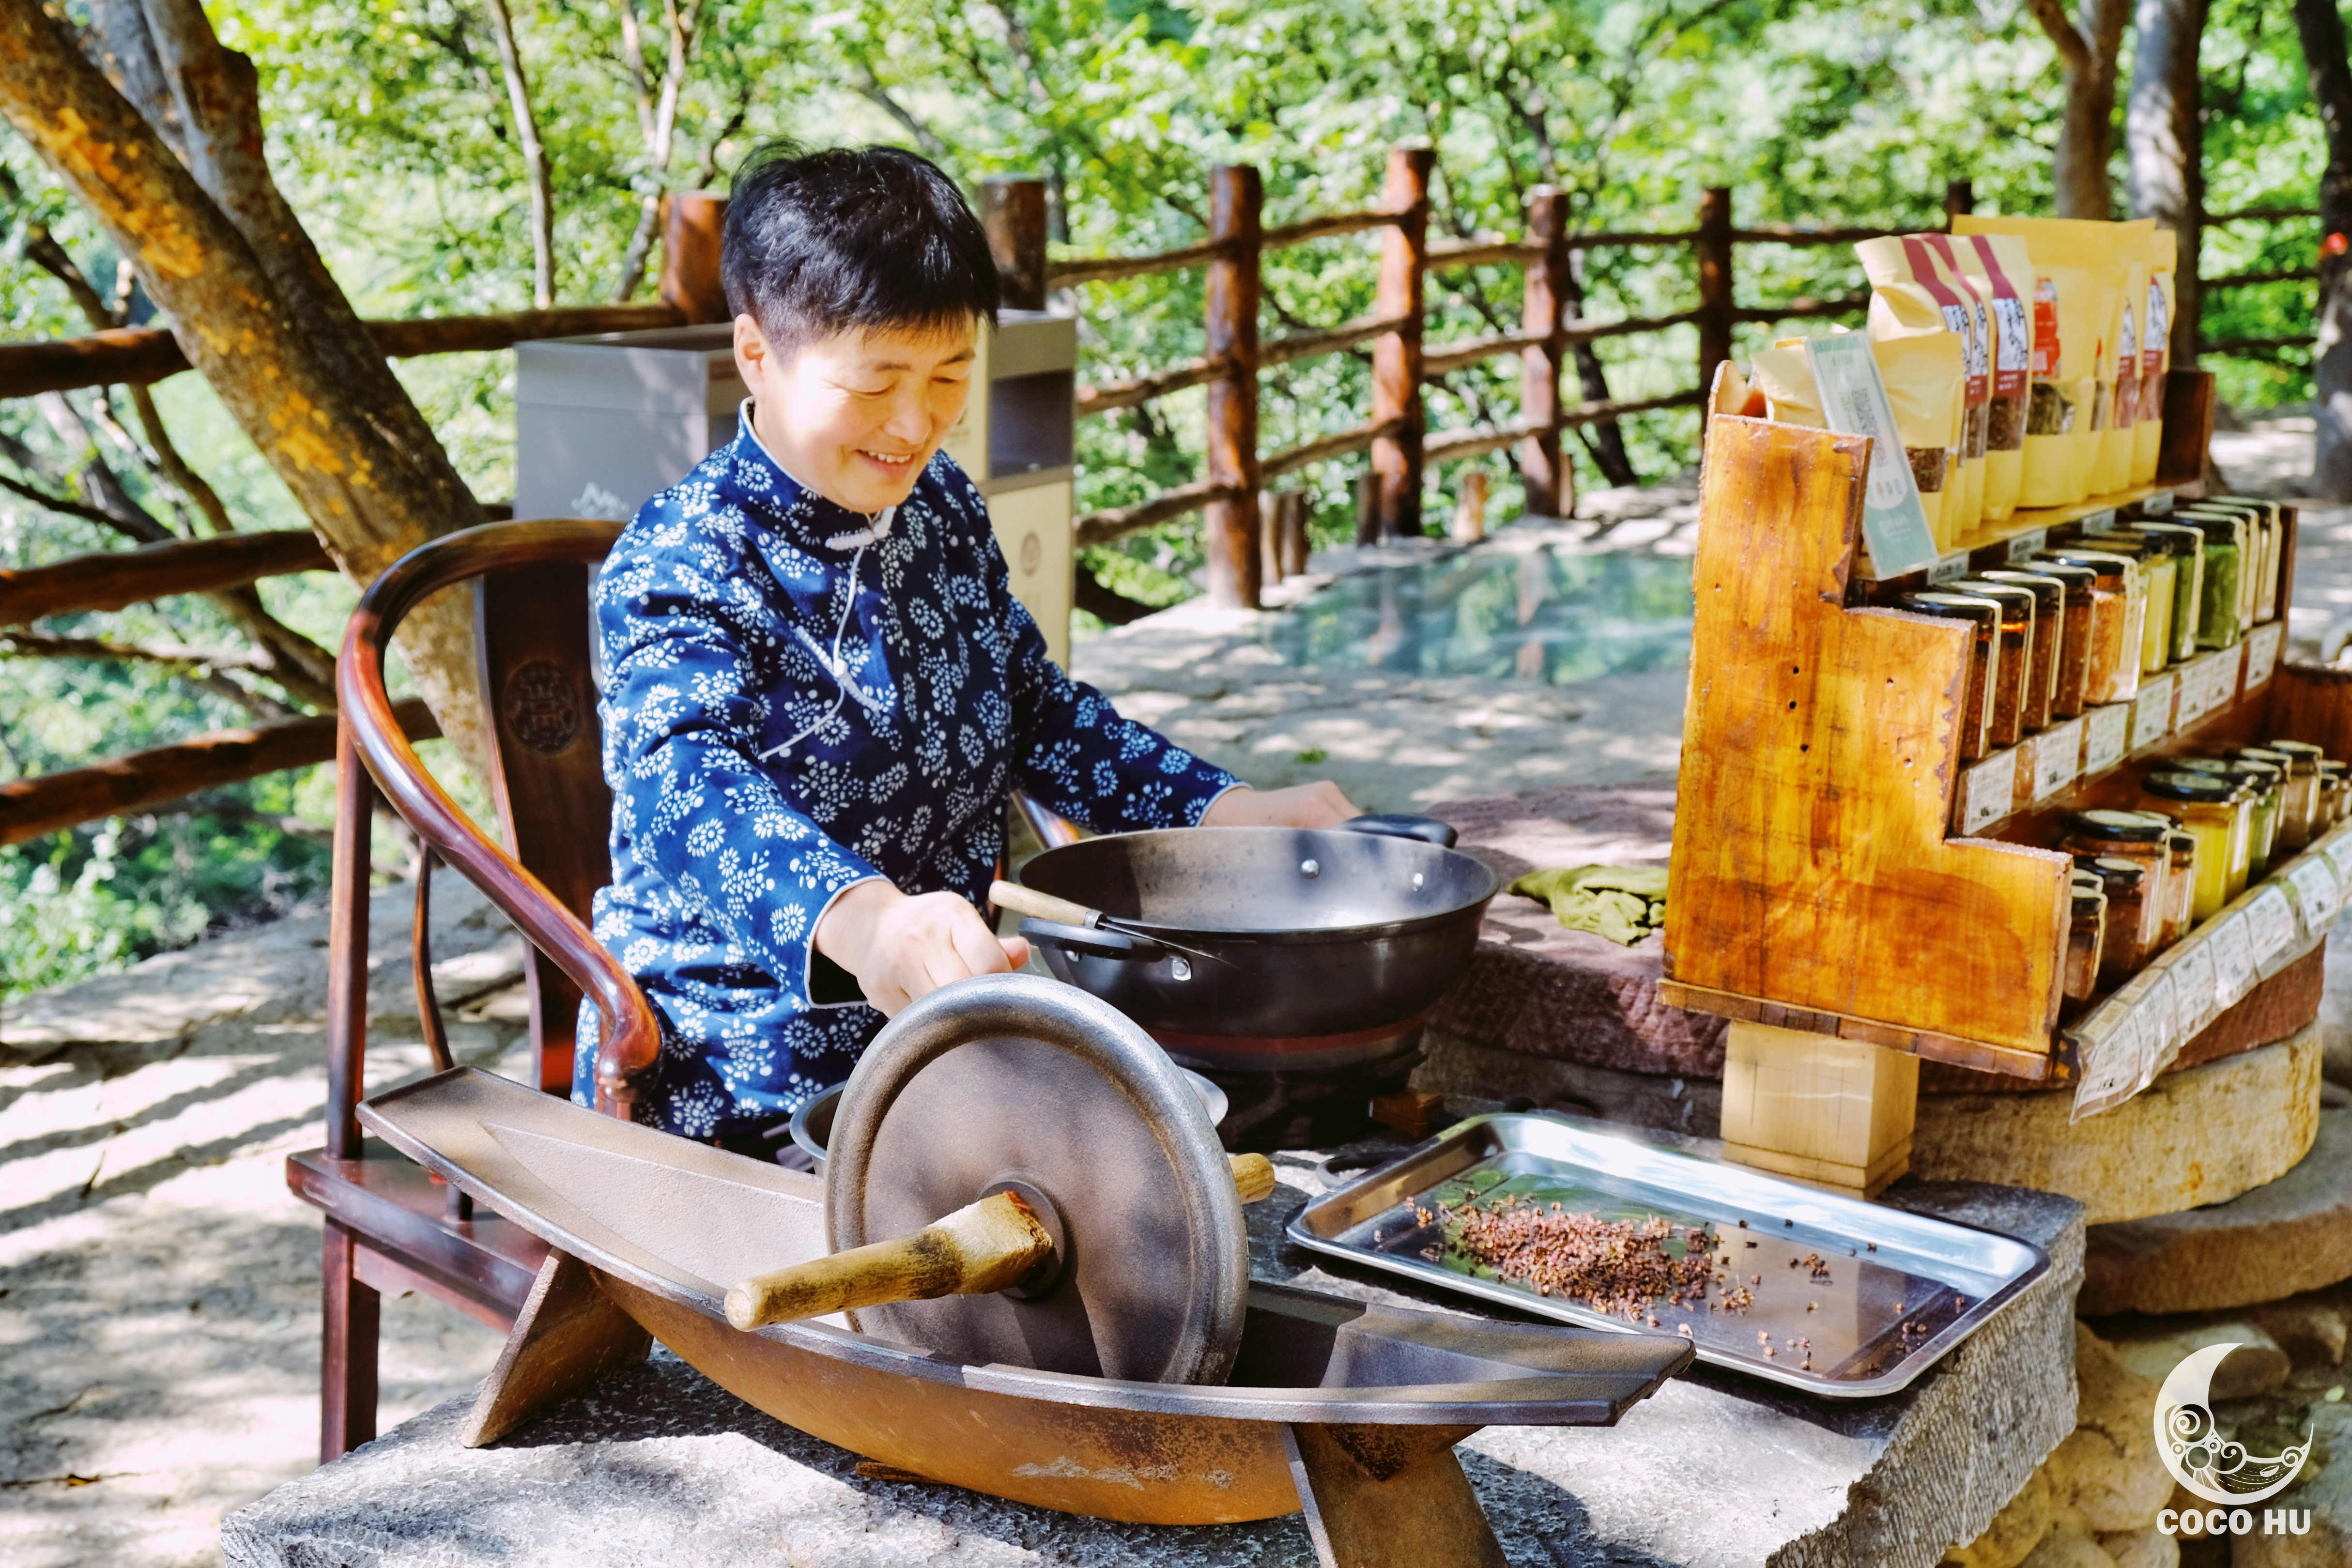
2003, 277
1976, 411
2074, 286
1926, 381
1783, 376
1910, 296
2111, 471
2155, 354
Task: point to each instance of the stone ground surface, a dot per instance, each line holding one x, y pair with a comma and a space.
159, 1287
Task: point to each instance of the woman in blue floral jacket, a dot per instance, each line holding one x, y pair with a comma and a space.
817, 686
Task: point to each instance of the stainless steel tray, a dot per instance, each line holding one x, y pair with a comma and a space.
1897, 1291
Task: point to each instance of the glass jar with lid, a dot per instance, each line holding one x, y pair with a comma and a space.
2049, 631
2180, 883
2268, 783
2158, 574
2070, 682
2124, 944
2222, 613
2300, 819
2118, 614
2220, 814
2085, 932
2134, 835
2264, 546
2005, 721
2188, 547
1983, 657
2334, 790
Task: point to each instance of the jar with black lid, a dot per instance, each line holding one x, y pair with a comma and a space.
2049, 630
2005, 721
2121, 949
2118, 613
2131, 836
2300, 808
2070, 683
1983, 659
2085, 935
2219, 812
2334, 792
2187, 546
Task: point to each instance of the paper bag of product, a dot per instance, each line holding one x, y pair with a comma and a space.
1924, 381
1912, 296
1996, 265
2112, 470
1785, 380
2074, 286
2155, 354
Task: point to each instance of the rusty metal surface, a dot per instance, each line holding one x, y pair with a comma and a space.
1016, 1077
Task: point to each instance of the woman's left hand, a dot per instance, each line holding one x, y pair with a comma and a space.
1316, 805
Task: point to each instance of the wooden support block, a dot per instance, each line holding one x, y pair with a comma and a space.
1831, 1111
1376, 1496
569, 1335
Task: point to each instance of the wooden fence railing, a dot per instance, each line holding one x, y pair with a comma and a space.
1234, 468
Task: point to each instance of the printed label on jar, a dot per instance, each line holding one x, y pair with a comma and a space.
2234, 960
2263, 651
2270, 927
2152, 710
1987, 791
2315, 890
2057, 758
2107, 733
2193, 988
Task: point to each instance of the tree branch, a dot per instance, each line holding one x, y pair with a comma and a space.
2074, 49
536, 171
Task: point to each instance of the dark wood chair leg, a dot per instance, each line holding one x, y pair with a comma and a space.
1389, 1496
353, 1314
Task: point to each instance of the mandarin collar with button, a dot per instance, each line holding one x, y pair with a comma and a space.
808, 519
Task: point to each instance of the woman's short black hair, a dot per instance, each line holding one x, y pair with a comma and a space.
849, 240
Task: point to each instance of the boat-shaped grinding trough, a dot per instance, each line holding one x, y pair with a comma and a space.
1347, 1409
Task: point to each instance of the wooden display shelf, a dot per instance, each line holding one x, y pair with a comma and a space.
2026, 531
1821, 885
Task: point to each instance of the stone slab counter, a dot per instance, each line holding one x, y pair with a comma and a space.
1536, 988
658, 1465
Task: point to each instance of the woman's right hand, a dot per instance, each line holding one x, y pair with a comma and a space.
901, 946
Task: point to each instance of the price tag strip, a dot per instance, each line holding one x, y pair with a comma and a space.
2193, 992
2262, 652
2337, 847
2316, 893
2152, 710
1988, 792
2233, 959
2110, 1058
2029, 543
2107, 733
2057, 758
2209, 684
2271, 927
1948, 568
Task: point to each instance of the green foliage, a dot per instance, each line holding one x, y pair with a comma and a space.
390, 131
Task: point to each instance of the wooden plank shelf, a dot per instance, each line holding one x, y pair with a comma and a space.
1837, 872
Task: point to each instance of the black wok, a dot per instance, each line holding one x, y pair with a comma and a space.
1266, 934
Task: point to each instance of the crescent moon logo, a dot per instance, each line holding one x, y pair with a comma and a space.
2192, 1446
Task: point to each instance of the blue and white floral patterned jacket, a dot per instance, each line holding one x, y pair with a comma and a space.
797, 699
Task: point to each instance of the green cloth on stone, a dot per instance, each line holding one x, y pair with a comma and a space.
1624, 903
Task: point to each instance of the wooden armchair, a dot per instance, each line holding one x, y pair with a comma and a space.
390, 1226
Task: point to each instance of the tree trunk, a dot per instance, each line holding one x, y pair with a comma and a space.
2088, 50
536, 173
249, 301
2325, 62
2164, 138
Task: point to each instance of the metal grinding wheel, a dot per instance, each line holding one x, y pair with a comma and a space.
1017, 1082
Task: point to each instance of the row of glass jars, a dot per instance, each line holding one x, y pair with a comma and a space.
2079, 623
2204, 828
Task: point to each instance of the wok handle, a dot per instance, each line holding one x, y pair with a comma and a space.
1094, 942
1028, 901
1403, 825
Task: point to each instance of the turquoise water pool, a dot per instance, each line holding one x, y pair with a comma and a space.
1541, 613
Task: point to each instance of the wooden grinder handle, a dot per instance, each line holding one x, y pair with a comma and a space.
982, 1247
1028, 901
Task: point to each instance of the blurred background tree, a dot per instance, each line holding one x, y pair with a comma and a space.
458, 156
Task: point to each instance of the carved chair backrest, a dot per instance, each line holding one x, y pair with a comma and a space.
556, 811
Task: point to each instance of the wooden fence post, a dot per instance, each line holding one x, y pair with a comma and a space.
1959, 196
1715, 302
1544, 474
1396, 356
1230, 527
692, 225
1012, 210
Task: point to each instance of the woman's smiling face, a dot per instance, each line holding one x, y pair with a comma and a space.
856, 416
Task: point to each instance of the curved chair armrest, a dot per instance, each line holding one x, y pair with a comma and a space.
631, 1038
